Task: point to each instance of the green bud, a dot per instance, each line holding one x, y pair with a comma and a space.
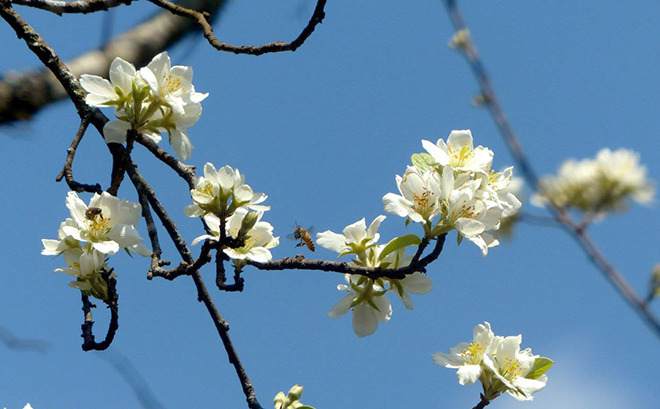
248, 223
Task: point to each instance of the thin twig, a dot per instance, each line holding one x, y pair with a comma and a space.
187, 172
275, 47
67, 171
79, 6
575, 230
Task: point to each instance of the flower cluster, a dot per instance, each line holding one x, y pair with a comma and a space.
454, 188
224, 201
498, 363
291, 400
366, 296
93, 233
157, 98
599, 186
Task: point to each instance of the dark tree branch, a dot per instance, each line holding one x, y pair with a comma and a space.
79, 6
89, 341
187, 172
300, 263
275, 47
67, 171
575, 230
482, 403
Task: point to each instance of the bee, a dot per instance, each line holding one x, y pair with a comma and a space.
303, 236
92, 212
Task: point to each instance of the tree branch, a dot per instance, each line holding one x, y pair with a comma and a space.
275, 47
67, 171
89, 341
78, 6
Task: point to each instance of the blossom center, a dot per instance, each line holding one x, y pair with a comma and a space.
473, 353
97, 225
171, 84
460, 156
424, 202
511, 369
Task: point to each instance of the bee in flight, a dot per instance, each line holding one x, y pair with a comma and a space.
303, 236
92, 212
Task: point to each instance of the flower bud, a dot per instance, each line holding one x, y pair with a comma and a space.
248, 223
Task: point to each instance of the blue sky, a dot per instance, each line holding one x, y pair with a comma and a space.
324, 131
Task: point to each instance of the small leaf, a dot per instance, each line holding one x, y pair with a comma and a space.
541, 366
399, 242
306, 407
422, 160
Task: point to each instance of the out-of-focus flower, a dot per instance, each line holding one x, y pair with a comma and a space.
599, 186
654, 285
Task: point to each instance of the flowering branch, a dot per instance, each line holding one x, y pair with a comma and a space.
574, 229
300, 263
202, 20
79, 6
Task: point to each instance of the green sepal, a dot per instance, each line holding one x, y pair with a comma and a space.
422, 160
399, 242
459, 239
541, 366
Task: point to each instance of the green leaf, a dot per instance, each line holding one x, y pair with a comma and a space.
399, 242
541, 366
422, 160
306, 407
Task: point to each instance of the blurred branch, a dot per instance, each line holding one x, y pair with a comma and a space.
18, 344
275, 47
135, 381
575, 230
22, 94
79, 6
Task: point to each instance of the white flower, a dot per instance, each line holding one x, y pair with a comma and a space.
421, 193
175, 124
213, 191
103, 93
459, 153
496, 187
87, 266
107, 223
468, 357
172, 84
367, 301
472, 216
625, 176
510, 366
357, 238
258, 240
64, 242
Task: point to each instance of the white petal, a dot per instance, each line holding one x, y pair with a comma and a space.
458, 139
115, 131
469, 227
99, 90
181, 144
342, 307
106, 247
468, 374
121, 74
417, 283
150, 78
384, 305
436, 152
125, 235
364, 320
331, 241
